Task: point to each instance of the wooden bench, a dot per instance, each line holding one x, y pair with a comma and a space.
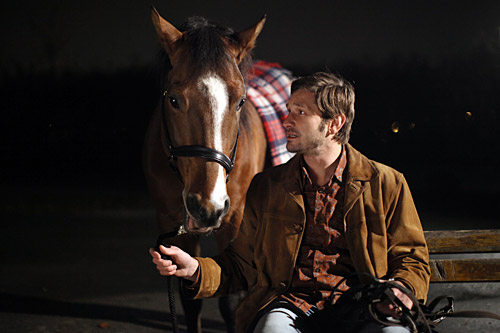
457, 268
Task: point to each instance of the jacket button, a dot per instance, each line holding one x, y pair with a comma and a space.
299, 228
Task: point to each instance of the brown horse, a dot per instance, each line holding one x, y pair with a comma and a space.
201, 126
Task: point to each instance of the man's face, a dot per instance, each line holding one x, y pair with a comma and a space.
306, 132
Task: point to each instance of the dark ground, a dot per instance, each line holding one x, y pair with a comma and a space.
77, 261
86, 266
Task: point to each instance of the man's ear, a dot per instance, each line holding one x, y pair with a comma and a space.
336, 124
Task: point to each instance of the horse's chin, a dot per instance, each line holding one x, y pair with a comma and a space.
192, 227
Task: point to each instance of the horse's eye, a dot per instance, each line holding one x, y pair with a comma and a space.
240, 104
173, 101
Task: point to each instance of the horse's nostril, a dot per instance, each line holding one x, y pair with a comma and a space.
220, 213
227, 204
193, 206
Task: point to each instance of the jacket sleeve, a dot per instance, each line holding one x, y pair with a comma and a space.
233, 269
408, 256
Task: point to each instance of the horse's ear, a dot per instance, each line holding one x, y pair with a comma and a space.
247, 39
167, 33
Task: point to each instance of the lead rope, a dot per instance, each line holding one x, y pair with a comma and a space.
171, 295
171, 303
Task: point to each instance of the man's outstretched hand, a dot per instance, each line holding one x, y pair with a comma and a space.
180, 263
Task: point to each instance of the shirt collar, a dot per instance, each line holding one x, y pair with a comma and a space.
339, 171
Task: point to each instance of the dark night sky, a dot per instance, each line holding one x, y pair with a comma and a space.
79, 35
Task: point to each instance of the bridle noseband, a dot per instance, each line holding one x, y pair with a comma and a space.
196, 150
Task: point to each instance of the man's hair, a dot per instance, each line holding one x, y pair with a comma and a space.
334, 97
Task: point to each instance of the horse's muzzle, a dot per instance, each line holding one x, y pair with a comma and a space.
204, 215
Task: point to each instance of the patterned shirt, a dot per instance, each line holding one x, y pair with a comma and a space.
323, 258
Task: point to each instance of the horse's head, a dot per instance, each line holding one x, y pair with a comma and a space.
204, 92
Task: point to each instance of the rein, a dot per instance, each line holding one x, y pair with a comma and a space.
421, 318
196, 150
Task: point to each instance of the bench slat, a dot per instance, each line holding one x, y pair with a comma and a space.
463, 241
465, 270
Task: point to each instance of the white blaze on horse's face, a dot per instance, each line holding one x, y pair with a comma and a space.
215, 89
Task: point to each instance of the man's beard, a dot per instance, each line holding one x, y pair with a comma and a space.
309, 142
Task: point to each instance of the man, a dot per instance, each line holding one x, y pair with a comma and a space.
327, 213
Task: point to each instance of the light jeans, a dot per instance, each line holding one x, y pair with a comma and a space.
283, 320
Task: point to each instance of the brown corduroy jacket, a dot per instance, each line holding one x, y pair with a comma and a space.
381, 225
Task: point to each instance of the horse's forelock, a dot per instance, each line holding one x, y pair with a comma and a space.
206, 41
207, 46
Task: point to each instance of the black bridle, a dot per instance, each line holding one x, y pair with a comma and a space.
196, 150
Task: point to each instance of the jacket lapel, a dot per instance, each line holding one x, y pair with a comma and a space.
291, 180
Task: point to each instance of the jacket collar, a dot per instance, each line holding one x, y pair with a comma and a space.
359, 171
359, 168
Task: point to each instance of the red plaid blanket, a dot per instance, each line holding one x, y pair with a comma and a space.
269, 91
